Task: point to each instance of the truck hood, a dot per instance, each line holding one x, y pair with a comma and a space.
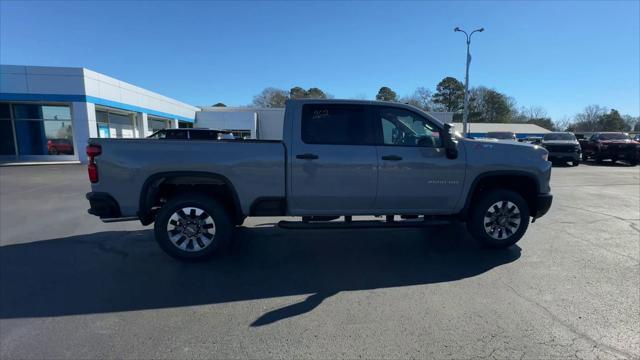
510, 152
487, 143
484, 157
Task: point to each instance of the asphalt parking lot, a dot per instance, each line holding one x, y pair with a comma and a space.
74, 287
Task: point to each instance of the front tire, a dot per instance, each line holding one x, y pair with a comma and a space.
499, 218
575, 163
192, 227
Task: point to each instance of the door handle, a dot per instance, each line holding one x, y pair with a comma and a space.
307, 156
392, 157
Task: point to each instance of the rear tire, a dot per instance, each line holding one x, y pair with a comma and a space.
192, 226
499, 218
575, 163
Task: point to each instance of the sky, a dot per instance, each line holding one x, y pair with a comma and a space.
561, 56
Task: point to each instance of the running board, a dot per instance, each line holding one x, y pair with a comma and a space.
112, 220
361, 224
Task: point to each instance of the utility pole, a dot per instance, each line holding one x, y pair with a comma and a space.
465, 114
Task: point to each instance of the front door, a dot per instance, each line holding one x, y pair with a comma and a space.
334, 161
414, 173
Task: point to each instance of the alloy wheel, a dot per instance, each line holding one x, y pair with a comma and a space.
191, 229
502, 220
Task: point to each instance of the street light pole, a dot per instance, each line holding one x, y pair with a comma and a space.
465, 115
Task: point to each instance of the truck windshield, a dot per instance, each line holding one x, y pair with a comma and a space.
614, 136
558, 136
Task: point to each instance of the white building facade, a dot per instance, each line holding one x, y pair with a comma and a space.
48, 113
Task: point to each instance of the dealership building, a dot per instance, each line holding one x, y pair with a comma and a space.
48, 113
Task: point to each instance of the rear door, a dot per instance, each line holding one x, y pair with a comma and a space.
414, 173
333, 160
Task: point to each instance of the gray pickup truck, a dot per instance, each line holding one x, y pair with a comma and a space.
338, 158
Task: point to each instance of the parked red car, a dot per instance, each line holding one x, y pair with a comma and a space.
611, 145
59, 147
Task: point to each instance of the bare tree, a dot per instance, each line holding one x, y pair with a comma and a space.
271, 98
534, 112
563, 124
588, 119
421, 98
531, 113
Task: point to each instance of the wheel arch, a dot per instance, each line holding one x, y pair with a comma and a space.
524, 183
153, 187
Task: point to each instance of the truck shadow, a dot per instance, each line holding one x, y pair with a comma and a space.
125, 270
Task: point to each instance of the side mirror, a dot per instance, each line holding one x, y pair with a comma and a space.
450, 145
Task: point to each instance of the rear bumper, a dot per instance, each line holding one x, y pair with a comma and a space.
103, 205
543, 204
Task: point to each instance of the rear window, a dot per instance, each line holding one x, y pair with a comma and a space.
336, 124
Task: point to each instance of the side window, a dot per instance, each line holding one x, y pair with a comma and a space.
405, 128
336, 124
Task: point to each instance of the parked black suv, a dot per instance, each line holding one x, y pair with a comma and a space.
562, 146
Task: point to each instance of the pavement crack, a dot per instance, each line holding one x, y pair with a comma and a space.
556, 319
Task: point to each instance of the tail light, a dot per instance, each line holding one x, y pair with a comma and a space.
93, 150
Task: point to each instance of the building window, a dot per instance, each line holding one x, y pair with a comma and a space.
35, 129
155, 124
7, 143
114, 124
184, 125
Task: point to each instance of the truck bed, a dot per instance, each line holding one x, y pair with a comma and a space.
256, 168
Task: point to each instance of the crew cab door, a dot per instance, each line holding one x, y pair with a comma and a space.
333, 161
414, 173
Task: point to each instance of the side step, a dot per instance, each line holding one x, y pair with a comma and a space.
362, 224
112, 220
